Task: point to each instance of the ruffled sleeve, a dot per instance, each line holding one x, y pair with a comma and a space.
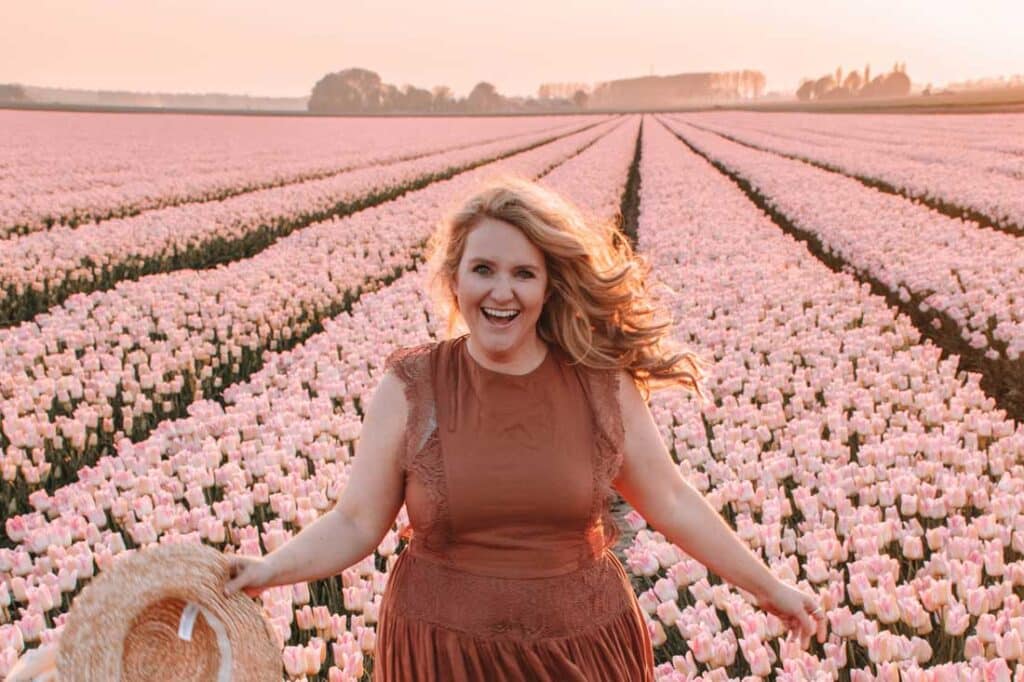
412, 367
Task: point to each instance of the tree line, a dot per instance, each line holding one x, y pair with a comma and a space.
356, 91
896, 83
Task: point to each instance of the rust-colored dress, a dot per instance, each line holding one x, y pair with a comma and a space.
509, 573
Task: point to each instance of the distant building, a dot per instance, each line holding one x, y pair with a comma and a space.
679, 90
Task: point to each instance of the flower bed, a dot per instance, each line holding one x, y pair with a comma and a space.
849, 455
245, 475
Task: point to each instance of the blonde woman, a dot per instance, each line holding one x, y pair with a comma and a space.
506, 444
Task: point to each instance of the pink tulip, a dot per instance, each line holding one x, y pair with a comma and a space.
995, 670
701, 647
913, 548
643, 562
312, 656
977, 601
886, 608
657, 633
956, 619
372, 609
321, 618
294, 661
304, 618
367, 639
300, 593
21, 563
649, 601
635, 521
31, 625
1010, 645
668, 612
19, 588
759, 661
68, 579
16, 528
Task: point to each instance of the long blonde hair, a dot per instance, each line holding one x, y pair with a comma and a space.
600, 310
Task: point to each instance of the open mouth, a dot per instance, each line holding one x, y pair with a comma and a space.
498, 316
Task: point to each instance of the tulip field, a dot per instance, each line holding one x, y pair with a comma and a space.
195, 309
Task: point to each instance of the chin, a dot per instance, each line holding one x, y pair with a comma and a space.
497, 343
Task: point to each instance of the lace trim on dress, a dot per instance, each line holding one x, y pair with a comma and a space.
520, 610
604, 385
422, 452
412, 366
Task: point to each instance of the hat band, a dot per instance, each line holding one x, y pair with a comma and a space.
188, 620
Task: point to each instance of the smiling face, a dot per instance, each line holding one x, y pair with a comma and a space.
500, 288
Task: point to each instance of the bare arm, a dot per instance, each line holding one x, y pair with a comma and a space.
355, 526
650, 481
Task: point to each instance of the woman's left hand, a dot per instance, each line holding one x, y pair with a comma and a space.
800, 611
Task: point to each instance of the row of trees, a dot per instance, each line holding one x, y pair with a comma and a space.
354, 91
896, 83
12, 93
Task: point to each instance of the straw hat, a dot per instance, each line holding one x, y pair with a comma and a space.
128, 624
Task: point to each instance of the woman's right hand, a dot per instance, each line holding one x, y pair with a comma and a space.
251, 575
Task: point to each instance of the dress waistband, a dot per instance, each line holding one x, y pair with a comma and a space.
522, 609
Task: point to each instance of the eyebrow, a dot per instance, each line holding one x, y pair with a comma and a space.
485, 261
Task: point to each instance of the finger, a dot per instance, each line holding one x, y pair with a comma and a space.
235, 583
807, 625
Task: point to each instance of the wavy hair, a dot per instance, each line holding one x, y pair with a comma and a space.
600, 310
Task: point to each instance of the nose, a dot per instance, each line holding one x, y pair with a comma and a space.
501, 292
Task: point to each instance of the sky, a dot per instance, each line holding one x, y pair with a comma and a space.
263, 48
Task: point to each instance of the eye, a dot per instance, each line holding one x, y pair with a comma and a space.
477, 268
529, 274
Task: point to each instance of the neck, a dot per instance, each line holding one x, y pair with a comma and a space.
520, 360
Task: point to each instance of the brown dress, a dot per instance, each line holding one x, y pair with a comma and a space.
509, 573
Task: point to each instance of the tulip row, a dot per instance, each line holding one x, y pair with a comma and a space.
988, 143
113, 364
43, 269
55, 170
849, 455
961, 281
245, 476
982, 185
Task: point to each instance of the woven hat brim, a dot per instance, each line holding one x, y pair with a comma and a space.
123, 624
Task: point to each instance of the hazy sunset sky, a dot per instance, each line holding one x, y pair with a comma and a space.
283, 48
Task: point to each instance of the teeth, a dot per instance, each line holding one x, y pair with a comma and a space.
508, 314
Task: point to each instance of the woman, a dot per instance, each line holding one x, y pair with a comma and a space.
505, 445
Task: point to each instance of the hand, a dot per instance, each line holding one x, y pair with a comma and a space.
799, 611
251, 575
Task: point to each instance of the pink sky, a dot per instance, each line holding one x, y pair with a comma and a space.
282, 48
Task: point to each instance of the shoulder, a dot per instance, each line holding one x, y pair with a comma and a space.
409, 362
404, 385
